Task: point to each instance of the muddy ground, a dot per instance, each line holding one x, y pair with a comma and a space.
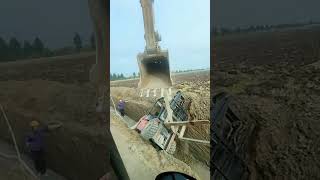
274, 79
57, 89
194, 85
11, 169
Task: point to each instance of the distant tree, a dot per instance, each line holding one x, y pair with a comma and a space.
37, 47
114, 76
121, 76
47, 52
134, 74
238, 29
93, 41
77, 42
14, 49
3, 50
27, 49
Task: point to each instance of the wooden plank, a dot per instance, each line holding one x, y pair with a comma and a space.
195, 140
171, 140
183, 129
183, 123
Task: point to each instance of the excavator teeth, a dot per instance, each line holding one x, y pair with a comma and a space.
141, 93
154, 92
148, 92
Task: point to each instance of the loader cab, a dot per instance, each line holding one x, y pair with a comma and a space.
178, 105
158, 110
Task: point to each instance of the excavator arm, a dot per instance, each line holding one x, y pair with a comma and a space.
153, 62
151, 36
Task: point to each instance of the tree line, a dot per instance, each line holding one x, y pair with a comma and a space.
115, 76
221, 31
13, 49
120, 76
189, 70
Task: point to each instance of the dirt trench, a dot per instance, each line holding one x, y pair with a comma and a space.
79, 149
137, 106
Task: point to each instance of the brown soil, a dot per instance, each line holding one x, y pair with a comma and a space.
82, 138
276, 90
57, 89
11, 169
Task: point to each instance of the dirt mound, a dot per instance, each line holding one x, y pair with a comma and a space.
199, 110
11, 169
284, 114
66, 69
281, 100
82, 138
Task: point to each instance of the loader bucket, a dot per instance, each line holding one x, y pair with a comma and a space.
154, 71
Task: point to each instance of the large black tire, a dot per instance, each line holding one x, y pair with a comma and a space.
226, 161
150, 130
172, 149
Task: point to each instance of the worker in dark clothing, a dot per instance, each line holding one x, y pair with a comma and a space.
35, 144
121, 107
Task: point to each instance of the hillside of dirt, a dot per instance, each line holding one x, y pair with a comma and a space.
274, 80
57, 89
73, 105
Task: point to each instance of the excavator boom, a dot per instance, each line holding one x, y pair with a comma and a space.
150, 36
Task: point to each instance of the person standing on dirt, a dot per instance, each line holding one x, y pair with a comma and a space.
35, 145
121, 106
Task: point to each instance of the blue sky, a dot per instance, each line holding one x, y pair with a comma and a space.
184, 26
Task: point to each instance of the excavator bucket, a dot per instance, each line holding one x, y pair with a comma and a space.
154, 70
153, 62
